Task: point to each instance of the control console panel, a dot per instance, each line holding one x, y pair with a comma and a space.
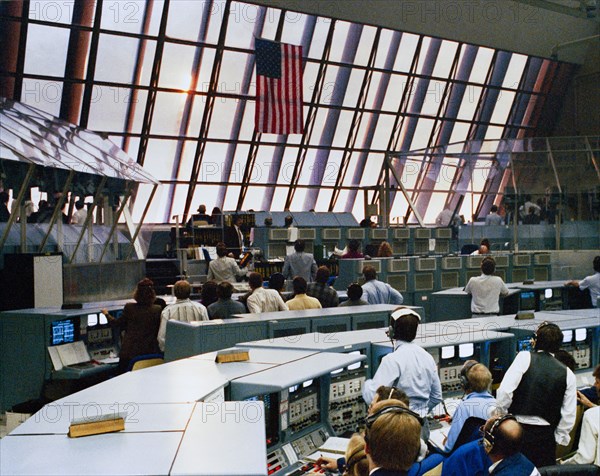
347, 408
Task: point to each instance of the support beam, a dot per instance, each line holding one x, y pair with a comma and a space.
19, 200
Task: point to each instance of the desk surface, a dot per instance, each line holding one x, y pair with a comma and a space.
182, 381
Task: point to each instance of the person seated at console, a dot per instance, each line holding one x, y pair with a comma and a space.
261, 299
590, 397
140, 321
208, 293
590, 282
485, 290
301, 301
326, 295
355, 293
199, 219
225, 307
353, 250
378, 292
183, 309
478, 402
224, 268
385, 250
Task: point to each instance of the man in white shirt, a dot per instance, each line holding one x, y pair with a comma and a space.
224, 268
181, 310
80, 214
590, 282
493, 218
261, 299
528, 206
485, 290
542, 394
444, 218
588, 451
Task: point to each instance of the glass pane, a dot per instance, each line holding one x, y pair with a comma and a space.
116, 58
481, 65
381, 138
185, 19
436, 205
445, 59
57, 12
126, 16
221, 123
317, 45
365, 46
231, 198
433, 98
158, 207
343, 129
108, 109
253, 199
515, 71
421, 138
216, 20
176, 67
159, 158
46, 51
279, 198
45, 95
372, 169
406, 52
271, 24
503, 106
354, 88
339, 41
394, 93
323, 200
167, 113
469, 102
385, 39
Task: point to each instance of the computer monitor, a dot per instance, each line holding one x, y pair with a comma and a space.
64, 331
448, 352
580, 335
567, 337
527, 301
466, 351
524, 344
271, 403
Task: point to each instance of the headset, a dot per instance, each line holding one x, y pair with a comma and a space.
370, 419
539, 328
464, 373
489, 439
354, 458
397, 314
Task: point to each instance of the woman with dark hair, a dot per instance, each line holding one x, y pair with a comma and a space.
208, 293
216, 217
140, 321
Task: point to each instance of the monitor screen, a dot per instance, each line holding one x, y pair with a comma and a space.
357, 365
448, 352
465, 351
527, 300
567, 337
271, 402
92, 320
580, 335
102, 319
64, 331
524, 344
548, 293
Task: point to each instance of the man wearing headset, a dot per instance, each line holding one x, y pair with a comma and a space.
478, 401
542, 394
409, 367
502, 441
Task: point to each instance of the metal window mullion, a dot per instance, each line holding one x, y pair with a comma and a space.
13, 216
310, 117
356, 120
208, 110
152, 90
20, 66
141, 222
88, 218
113, 228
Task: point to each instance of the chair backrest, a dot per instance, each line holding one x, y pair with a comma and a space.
570, 470
142, 364
468, 249
469, 432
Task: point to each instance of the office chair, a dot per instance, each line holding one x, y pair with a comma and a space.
469, 432
146, 360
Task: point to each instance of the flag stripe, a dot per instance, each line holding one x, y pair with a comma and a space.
279, 99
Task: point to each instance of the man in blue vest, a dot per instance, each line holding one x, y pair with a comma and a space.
542, 394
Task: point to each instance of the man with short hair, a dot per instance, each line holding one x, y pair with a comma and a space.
542, 394
409, 367
478, 402
225, 307
502, 440
183, 309
493, 218
378, 292
300, 263
261, 299
80, 214
485, 290
355, 292
224, 268
326, 295
590, 282
392, 438
301, 301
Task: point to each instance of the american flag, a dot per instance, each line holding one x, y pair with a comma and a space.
278, 88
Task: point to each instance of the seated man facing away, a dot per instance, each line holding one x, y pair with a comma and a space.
478, 402
181, 310
261, 299
326, 295
486, 290
378, 292
225, 307
301, 301
502, 440
355, 292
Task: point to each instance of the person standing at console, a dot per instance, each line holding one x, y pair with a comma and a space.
486, 290
409, 367
542, 394
590, 282
300, 263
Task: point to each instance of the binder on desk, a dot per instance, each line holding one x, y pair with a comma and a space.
69, 355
